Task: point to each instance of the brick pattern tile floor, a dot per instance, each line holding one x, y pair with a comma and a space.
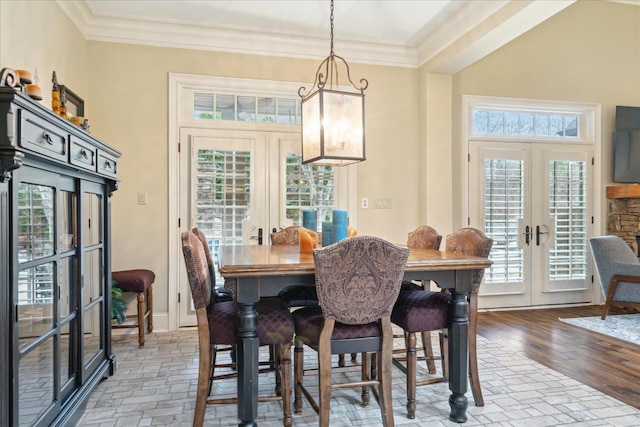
156, 386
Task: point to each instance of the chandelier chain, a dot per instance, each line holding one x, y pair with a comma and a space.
331, 27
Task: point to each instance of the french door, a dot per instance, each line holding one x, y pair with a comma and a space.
535, 201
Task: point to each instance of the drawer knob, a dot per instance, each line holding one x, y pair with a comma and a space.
47, 138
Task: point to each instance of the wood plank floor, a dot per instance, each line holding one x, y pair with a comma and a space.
607, 364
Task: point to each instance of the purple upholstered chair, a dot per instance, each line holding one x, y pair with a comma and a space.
217, 327
357, 280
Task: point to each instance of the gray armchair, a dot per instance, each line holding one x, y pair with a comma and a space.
619, 272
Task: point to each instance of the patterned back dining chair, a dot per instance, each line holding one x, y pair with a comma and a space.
423, 237
217, 326
302, 295
420, 311
358, 280
220, 294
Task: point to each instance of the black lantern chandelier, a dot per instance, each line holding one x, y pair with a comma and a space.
332, 119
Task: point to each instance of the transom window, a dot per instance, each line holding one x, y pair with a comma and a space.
524, 123
246, 108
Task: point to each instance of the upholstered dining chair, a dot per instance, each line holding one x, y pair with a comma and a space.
423, 237
298, 295
220, 294
357, 280
302, 295
420, 311
217, 327
619, 272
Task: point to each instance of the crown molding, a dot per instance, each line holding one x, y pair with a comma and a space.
456, 20
499, 27
461, 34
132, 31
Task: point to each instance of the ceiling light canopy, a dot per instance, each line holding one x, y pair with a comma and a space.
332, 117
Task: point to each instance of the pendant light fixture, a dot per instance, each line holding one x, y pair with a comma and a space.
332, 117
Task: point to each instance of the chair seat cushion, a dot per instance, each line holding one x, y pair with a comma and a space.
275, 324
421, 311
299, 296
134, 280
309, 322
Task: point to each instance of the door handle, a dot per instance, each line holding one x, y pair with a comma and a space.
258, 237
538, 233
527, 235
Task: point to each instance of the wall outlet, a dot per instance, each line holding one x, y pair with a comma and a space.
365, 203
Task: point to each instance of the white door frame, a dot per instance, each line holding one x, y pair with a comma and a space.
594, 130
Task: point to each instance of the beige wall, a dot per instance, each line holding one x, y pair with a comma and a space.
38, 37
590, 52
130, 84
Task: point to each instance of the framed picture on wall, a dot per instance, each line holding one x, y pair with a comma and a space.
75, 104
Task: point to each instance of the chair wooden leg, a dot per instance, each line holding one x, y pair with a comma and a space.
141, 318
298, 367
612, 290
203, 371
427, 349
274, 364
212, 368
365, 368
411, 375
324, 365
473, 356
150, 309
385, 357
444, 351
285, 366
374, 365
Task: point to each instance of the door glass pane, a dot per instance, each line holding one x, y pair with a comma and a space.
568, 207
35, 221
93, 219
66, 279
288, 111
246, 109
223, 195
93, 275
93, 333
267, 110
67, 220
35, 302
503, 209
308, 187
67, 370
35, 373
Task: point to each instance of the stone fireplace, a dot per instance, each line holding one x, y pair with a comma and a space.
623, 213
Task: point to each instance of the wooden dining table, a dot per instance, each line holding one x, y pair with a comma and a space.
255, 271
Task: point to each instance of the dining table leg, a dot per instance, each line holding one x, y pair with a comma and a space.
458, 351
247, 362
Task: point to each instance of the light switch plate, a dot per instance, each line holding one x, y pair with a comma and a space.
142, 198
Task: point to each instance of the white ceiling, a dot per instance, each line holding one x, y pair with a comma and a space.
447, 35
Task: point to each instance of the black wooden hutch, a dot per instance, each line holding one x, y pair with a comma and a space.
56, 181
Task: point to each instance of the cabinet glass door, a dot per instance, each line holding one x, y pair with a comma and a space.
35, 297
93, 289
